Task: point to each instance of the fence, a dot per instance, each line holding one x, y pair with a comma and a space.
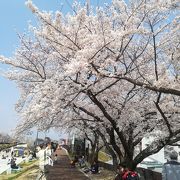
145, 174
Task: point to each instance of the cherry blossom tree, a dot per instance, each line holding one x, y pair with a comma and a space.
116, 69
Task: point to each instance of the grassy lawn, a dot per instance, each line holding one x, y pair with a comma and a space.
102, 156
25, 167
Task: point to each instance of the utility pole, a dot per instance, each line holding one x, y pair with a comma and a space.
88, 6
36, 138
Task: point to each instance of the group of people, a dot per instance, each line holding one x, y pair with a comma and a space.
124, 173
80, 160
46, 156
170, 170
12, 162
94, 169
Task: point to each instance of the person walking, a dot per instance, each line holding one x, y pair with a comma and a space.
171, 169
41, 155
49, 155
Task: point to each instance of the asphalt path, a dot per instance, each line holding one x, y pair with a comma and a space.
62, 170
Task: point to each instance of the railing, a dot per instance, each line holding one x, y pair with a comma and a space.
145, 174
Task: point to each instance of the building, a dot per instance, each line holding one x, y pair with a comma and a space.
156, 161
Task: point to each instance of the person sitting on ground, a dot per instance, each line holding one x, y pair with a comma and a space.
13, 164
120, 171
81, 161
171, 169
125, 173
95, 167
73, 162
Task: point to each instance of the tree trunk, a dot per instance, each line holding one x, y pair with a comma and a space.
92, 154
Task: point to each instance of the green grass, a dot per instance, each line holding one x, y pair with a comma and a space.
22, 172
25, 164
25, 167
102, 156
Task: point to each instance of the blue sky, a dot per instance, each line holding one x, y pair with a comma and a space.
14, 17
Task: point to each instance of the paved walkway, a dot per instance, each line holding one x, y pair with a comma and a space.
62, 170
